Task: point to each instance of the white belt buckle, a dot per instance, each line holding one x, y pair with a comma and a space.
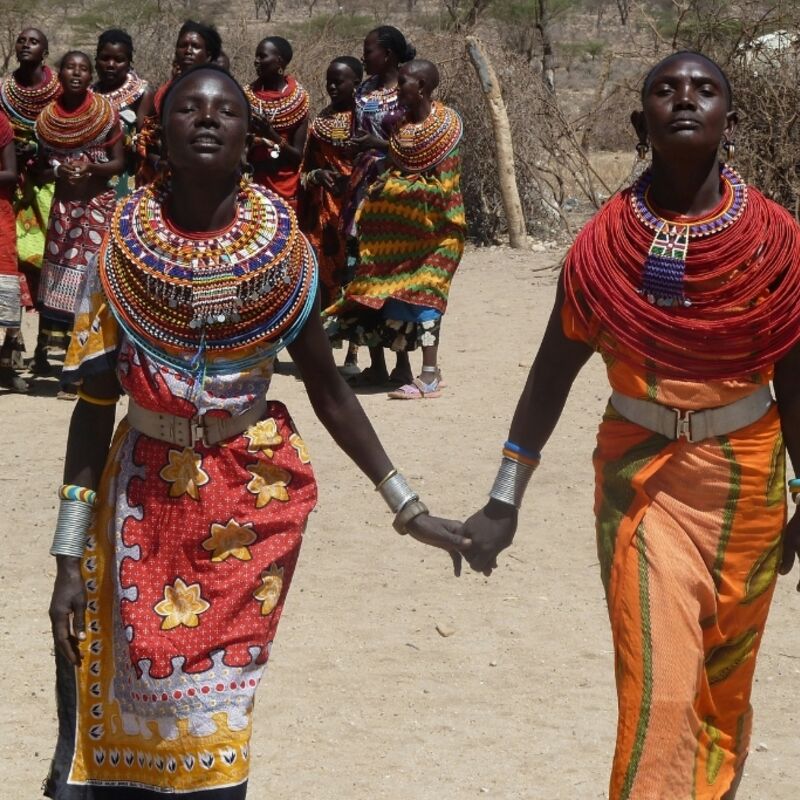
683, 424
197, 431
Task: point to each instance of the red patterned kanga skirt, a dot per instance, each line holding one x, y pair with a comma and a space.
187, 568
74, 234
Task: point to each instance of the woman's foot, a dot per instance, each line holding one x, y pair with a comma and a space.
350, 366
401, 375
40, 365
17, 344
68, 392
418, 389
369, 377
10, 380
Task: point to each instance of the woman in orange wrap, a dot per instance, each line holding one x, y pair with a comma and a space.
326, 171
688, 284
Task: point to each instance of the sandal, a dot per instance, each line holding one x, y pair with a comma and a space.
416, 390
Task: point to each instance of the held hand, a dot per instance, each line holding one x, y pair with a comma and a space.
491, 530
442, 533
68, 600
76, 170
791, 544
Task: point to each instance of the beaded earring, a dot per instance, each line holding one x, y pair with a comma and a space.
642, 149
730, 149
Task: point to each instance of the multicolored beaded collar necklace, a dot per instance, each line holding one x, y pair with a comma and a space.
84, 130
236, 295
419, 146
334, 128
23, 104
283, 110
126, 95
372, 99
665, 265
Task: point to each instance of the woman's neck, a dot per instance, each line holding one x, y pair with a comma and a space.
688, 189
343, 105
107, 88
211, 209
273, 83
388, 79
29, 74
69, 101
421, 111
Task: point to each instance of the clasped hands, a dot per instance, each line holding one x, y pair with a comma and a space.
74, 170
478, 541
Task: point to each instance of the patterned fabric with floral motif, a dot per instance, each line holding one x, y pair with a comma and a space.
187, 567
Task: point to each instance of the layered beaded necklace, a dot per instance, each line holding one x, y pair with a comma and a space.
419, 146
372, 99
742, 278
126, 95
334, 128
85, 130
665, 265
237, 295
284, 109
23, 104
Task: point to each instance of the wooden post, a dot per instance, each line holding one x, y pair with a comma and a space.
504, 148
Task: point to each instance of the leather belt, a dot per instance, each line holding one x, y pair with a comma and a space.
188, 431
694, 426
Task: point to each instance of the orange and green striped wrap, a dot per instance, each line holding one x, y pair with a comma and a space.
689, 540
411, 233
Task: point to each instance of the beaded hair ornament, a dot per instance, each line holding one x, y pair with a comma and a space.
665, 265
419, 146
237, 295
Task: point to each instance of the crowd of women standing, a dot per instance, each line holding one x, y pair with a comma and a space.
178, 534
80, 145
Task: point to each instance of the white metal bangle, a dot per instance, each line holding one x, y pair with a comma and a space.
511, 482
395, 491
409, 511
72, 528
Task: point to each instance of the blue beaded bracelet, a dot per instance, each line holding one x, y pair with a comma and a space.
522, 451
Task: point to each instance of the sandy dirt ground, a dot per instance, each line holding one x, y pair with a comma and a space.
363, 698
